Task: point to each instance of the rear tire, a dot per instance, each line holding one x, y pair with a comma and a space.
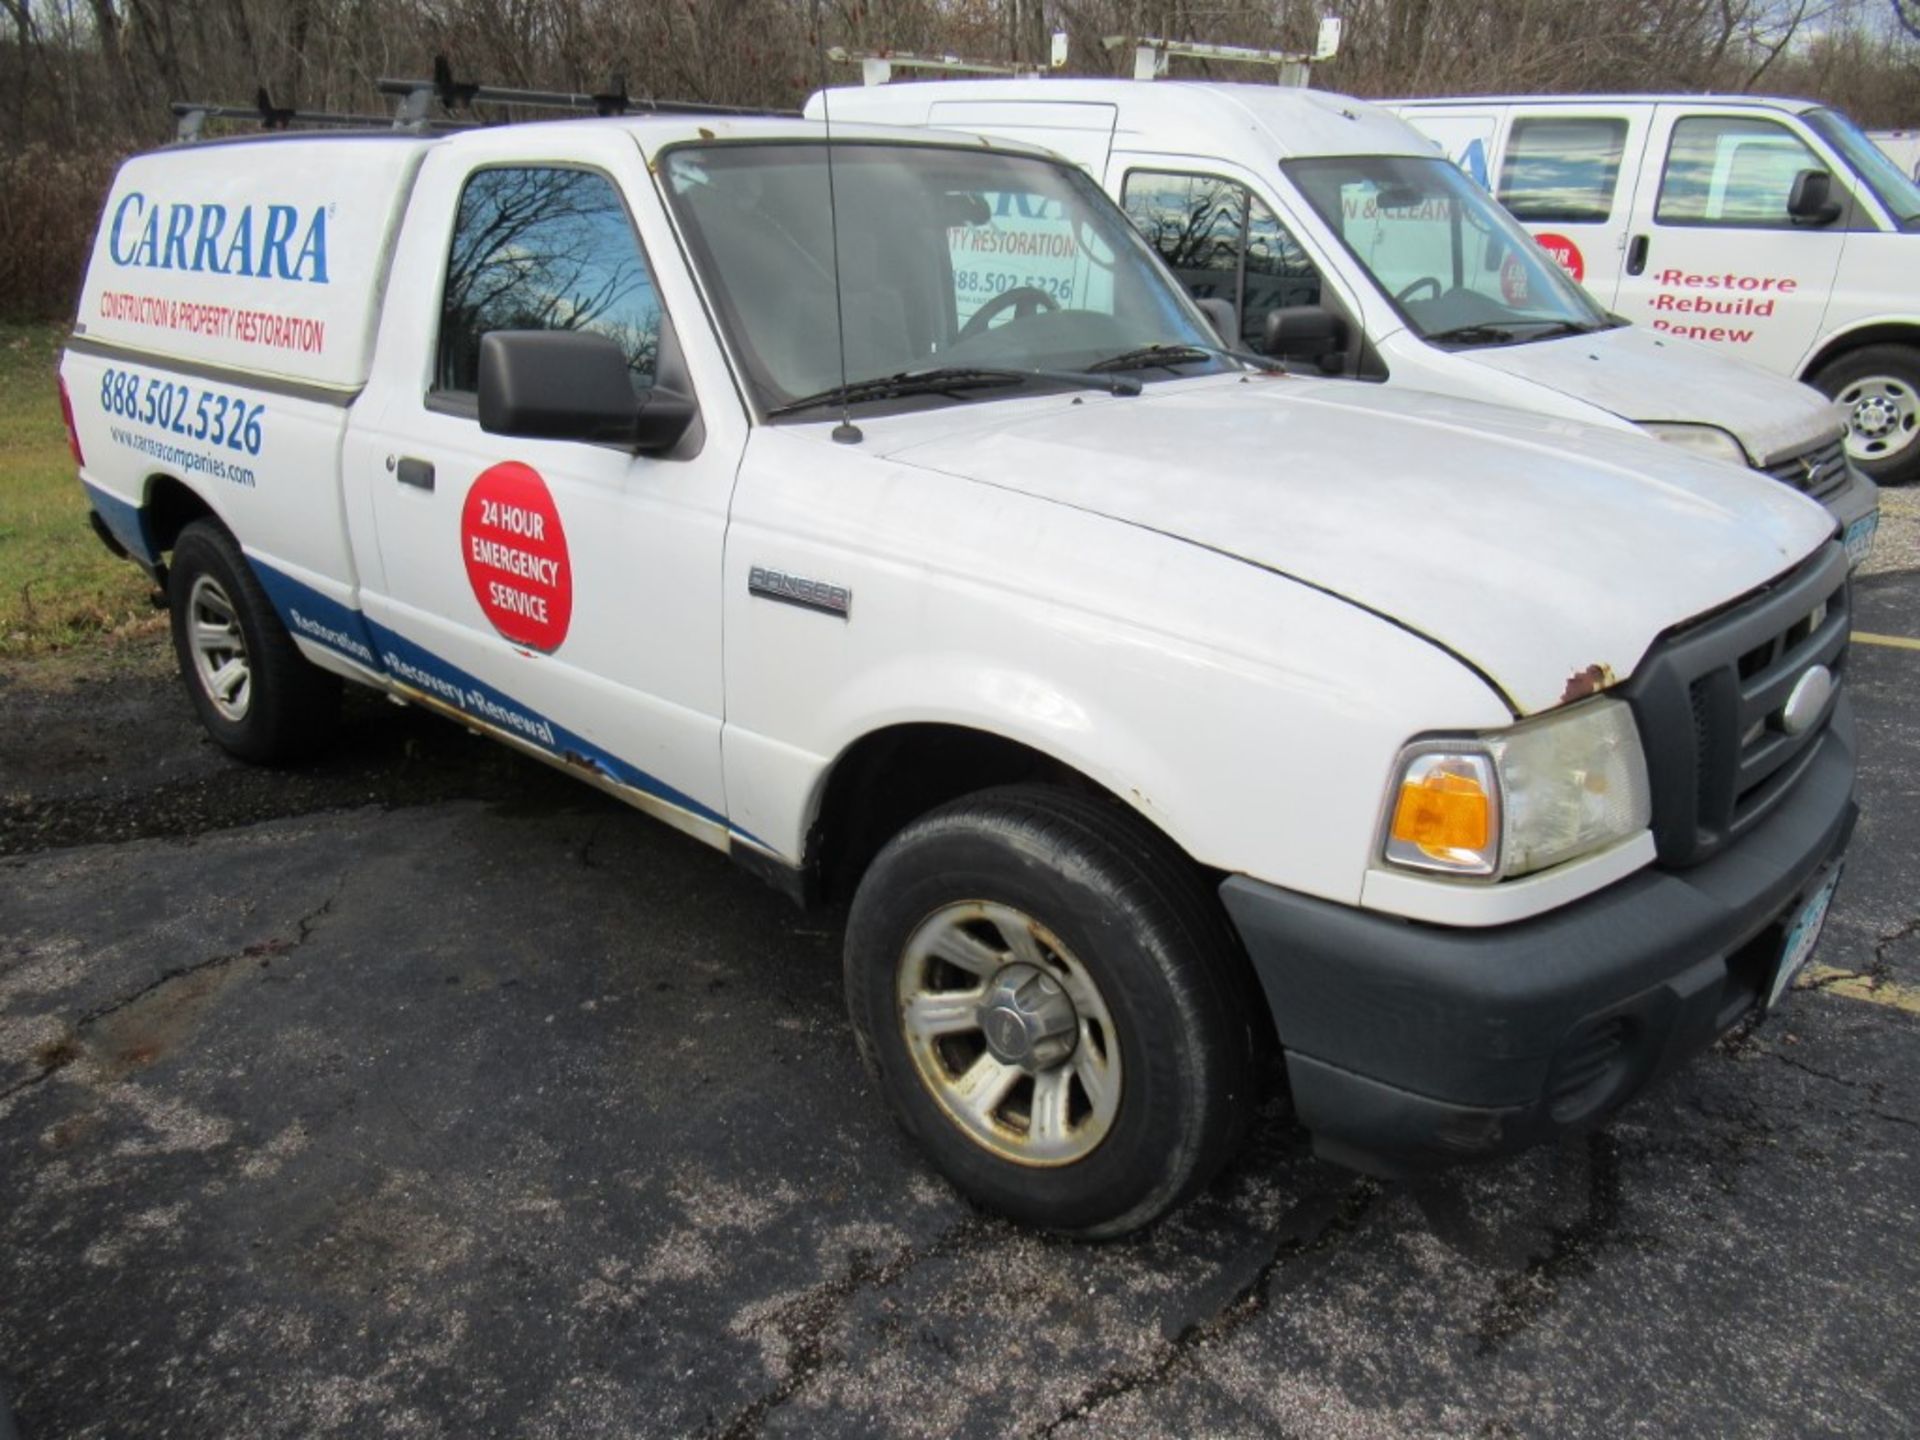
1055, 1008
1880, 387
259, 698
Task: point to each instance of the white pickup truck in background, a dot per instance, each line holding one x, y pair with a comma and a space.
1770, 229
1337, 237
1151, 709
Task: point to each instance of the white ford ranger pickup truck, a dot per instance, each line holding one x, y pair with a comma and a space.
1151, 710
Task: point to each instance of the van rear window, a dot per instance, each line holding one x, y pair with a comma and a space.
1563, 169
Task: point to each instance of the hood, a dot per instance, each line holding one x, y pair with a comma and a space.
1535, 549
1639, 375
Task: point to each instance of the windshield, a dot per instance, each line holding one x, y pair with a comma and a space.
1872, 164
1461, 270
948, 258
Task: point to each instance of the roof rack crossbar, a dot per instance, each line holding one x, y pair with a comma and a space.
1151, 53
191, 116
456, 96
877, 66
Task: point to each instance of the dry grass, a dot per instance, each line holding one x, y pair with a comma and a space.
59, 588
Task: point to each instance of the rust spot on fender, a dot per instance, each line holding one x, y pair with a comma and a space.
1590, 681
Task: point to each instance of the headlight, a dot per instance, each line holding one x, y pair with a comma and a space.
1708, 440
1510, 802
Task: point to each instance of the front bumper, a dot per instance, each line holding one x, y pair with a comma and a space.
1410, 1045
1852, 507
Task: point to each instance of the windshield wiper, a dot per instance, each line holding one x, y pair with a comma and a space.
1168, 356
1171, 356
906, 382
1553, 329
1472, 335
944, 379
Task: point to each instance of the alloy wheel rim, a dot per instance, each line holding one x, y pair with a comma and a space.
219, 648
1009, 1033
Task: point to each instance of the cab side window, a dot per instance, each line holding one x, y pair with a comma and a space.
1731, 170
1563, 170
1222, 242
544, 247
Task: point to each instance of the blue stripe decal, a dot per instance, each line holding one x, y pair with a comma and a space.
127, 522
308, 613
317, 617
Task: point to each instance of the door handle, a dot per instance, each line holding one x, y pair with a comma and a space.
1637, 255
417, 473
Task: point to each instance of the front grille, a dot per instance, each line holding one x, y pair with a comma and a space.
1817, 473
1708, 701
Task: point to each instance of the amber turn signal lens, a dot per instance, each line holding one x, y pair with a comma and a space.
1443, 810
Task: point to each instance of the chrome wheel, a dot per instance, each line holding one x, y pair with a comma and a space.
1009, 1034
1883, 416
219, 648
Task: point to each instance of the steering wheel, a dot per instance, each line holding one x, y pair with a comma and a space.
1426, 281
1023, 300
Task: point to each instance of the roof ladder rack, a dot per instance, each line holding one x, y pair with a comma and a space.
457, 96
1291, 67
877, 66
191, 116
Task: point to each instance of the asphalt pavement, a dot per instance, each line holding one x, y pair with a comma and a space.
428, 1093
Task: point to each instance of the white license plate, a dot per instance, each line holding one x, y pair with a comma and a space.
1859, 536
1803, 935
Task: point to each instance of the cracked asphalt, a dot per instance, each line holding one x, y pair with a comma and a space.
426, 1092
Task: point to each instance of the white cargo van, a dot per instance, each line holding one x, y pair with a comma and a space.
1900, 146
1325, 226
1151, 709
1773, 230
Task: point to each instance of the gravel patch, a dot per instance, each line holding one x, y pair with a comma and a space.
1897, 545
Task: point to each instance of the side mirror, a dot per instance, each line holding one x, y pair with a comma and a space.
573, 385
1224, 319
1811, 201
1304, 332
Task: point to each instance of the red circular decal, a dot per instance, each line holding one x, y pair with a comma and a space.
516, 555
1513, 280
1565, 253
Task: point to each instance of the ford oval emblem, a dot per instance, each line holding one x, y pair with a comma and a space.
1807, 701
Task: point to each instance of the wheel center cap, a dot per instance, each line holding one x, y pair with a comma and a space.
1874, 417
1028, 1020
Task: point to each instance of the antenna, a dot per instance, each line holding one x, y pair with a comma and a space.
846, 432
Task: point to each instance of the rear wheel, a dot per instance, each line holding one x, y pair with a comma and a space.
257, 695
1054, 1007
1879, 387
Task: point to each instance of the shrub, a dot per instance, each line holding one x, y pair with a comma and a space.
49, 202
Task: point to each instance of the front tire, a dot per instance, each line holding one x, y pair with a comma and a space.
258, 697
1055, 1008
1880, 387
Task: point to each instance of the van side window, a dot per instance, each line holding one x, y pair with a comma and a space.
544, 247
1563, 169
1731, 170
1222, 242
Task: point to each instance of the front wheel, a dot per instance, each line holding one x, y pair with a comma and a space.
1054, 1007
1879, 388
256, 694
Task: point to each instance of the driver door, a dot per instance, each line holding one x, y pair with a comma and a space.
562, 594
